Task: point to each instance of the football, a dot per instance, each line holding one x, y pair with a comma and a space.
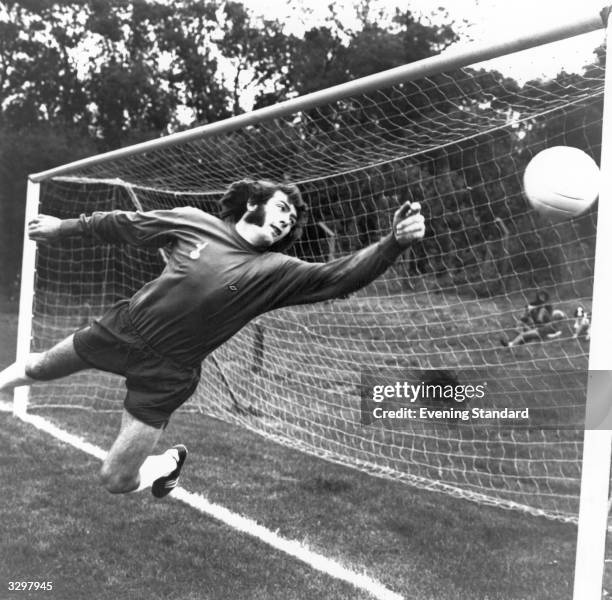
561, 182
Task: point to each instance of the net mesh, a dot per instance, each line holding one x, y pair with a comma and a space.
456, 142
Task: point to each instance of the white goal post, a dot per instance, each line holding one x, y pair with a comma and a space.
595, 479
454, 137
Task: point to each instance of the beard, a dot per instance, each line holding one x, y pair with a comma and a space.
257, 216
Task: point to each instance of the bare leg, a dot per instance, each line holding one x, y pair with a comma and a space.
525, 336
129, 465
59, 361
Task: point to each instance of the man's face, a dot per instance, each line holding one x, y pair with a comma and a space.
276, 218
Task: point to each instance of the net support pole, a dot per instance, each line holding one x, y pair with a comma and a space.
26, 296
595, 477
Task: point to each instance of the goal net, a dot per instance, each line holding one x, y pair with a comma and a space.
456, 141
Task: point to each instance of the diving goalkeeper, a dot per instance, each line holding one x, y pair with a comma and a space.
220, 274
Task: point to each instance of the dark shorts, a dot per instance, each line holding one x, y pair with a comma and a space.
157, 385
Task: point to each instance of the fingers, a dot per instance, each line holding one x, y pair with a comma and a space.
415, 209
36, 221
412, 222
407, 209
36, 228
35, 236
402, 211
409, 216
411, 226
32, 229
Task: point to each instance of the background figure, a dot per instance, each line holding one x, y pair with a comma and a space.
537, 322
582, 323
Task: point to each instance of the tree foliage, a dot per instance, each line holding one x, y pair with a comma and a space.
116, 70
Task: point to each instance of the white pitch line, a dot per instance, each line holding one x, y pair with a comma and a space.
62, 435
291, 547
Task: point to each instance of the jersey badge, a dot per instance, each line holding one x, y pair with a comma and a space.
198, 249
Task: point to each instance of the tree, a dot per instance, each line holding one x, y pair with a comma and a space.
257, 50
39, 80
117, 70
332, 54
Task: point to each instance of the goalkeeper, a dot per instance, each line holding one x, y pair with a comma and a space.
220, 274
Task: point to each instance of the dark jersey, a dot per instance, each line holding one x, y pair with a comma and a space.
214, 281
537, 314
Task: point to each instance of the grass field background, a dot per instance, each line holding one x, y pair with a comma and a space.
58, 525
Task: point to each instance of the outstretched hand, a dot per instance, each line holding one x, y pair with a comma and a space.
408, 223
44, 228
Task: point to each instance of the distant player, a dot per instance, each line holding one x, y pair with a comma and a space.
220, 274
537, 322
582, 323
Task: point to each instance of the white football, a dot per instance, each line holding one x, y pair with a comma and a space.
561, 182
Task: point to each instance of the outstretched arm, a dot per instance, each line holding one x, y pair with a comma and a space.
305, 282
153, 228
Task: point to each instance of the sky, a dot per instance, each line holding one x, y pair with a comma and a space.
479, 21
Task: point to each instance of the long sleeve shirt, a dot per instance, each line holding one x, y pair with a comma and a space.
215, 281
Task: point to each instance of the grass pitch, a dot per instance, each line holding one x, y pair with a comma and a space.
59, 526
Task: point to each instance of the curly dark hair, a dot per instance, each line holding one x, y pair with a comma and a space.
234, 205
